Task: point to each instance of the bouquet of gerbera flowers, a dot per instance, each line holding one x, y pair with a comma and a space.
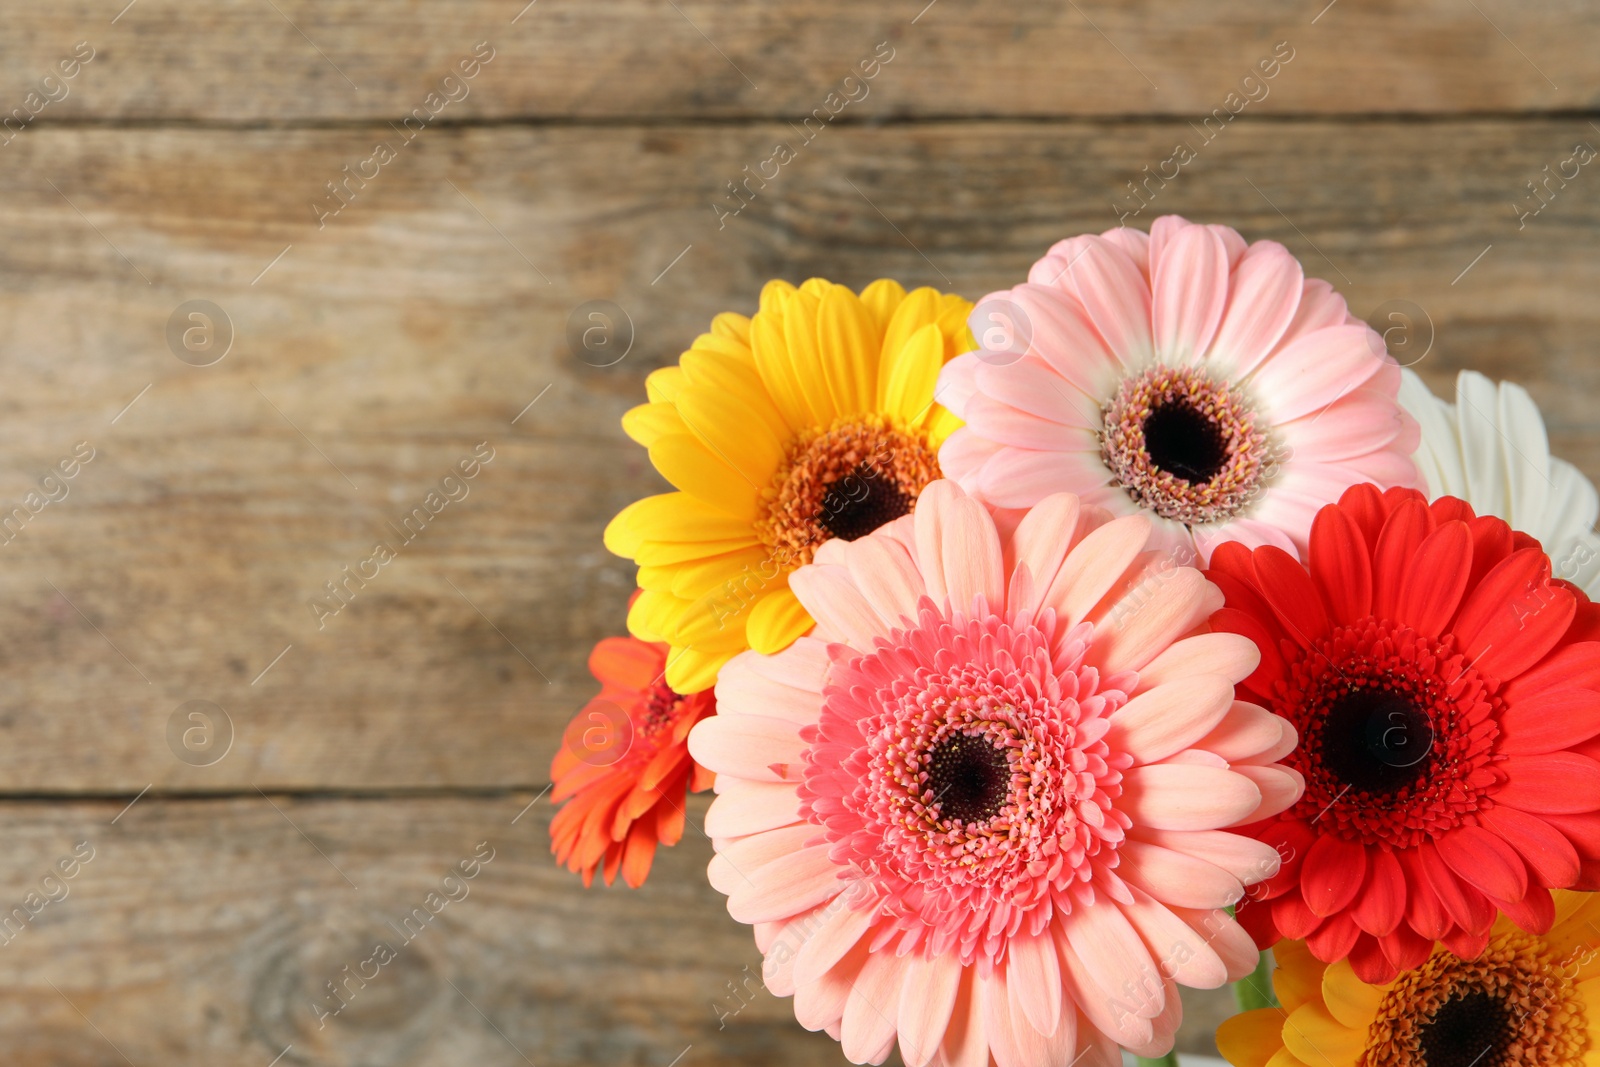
1049, 654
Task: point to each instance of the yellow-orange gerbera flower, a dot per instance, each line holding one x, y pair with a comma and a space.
1527, 1000
814, 419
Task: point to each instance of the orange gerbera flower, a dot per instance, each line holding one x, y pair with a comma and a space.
625, 763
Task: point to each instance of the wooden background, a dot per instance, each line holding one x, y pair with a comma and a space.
373, 353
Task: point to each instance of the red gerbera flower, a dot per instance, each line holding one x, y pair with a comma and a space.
625, 763
1447, 695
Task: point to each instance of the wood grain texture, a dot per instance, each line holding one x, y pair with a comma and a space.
295, 60
379, 351
205, 932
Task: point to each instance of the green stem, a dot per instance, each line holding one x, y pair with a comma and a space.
1169, 1060
1255, 991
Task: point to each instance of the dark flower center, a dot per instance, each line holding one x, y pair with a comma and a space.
1184, 441
970, 778
661, 706
860, 502
1470, 1029
1375, 740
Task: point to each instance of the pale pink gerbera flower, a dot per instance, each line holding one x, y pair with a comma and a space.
981, 811
1183, 374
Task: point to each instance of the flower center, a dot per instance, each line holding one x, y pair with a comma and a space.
660, 708
970, 778
843, 482
1397, 731
963, 764
1512, 1006
1376, 740
1185, 446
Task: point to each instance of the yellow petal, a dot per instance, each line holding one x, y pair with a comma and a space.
1589, 997
733, 326
774, 295
953, 315
738, 379
690, 670
675, 553
847, 341
1349, 999
939, 425
816, 287
647, 422
881, 298
650, 609
736, 570
800, 338
920, 307
778, 372
912, 374
663, 384
1250, 1038
686, 463
735, 437
776, 621
1298, 976
672, 517
1315, 1036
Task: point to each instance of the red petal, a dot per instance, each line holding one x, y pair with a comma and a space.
627, 662
1341, 563
1368, 960
639, 852
1558, 783
1381, 903
1407, 527
1256, 918
1406, 949
1292, 918
1581, 830
1491, 543
1464, 944
1572, 665
1432, 587
1554, 720
1364, 504
1468, 908
1451, 509
1534, 912
1514, 616
1425, 913
1293, 596
1485, 860
1547, 851
1334, 939
1333, 873
1271, 669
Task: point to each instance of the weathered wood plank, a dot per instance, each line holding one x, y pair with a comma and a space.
207, 931
295, 60
422, 319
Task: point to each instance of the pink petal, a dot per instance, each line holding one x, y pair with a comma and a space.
1020, 478
958, 548
1094, 565
747, 745
1033, 387
1189, 290
963, 455
1035, 979
1177, 797
1314, 371
841, 928
869, 1013
1175, 878
1247, 733
829, 594
1281, 788
964, 1042
1108, 972
1117, 299
995, 421
927, 997
1320, 307
819, 1003
958, 383
886, 575
1128, 640
1265, 294
1065, 340
1134, 242
1249, 861
785, 886
740, 690
1038, 544
1233, 656
800, 666
1183, 955
1168, 719
750, 807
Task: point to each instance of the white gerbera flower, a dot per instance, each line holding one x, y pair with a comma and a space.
1490, 449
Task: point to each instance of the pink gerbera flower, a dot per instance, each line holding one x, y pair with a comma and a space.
1183, 374
981, 811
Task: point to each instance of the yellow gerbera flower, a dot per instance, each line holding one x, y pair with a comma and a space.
1528, 1000
813, 419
